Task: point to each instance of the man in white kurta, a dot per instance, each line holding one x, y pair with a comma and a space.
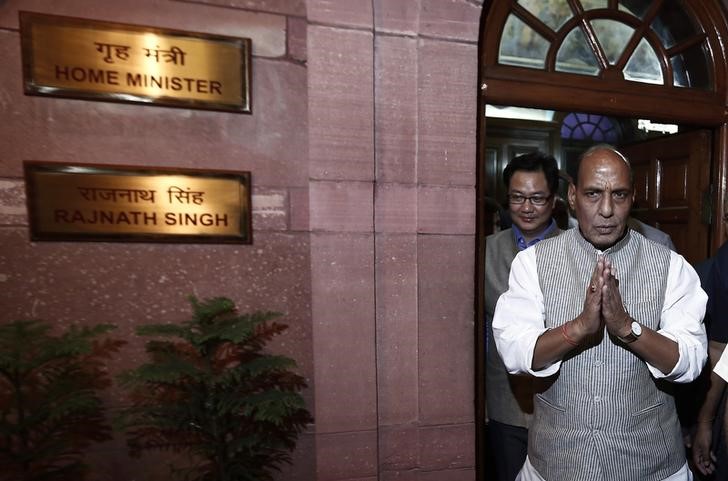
604, 317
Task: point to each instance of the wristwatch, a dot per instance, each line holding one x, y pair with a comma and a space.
633, 334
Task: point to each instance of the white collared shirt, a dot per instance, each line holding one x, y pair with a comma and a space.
519, 319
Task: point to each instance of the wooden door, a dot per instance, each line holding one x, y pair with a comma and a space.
672, 178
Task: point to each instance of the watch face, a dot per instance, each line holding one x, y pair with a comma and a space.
636, 328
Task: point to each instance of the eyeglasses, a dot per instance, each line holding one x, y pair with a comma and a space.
533, 199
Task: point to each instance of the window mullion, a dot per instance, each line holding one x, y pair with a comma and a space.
631, 46
638, 34
590, 35
686, 44
534, 22
652, 12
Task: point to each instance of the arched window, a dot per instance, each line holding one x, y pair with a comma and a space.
665, 57
642, 41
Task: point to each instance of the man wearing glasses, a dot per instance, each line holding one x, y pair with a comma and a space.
532, 180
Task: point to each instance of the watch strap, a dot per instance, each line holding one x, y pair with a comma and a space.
632, 336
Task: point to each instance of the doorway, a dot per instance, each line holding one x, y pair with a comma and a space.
671, 165
661, 60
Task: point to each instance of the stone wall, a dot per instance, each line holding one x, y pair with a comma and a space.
132, 283
362, 151
392, 114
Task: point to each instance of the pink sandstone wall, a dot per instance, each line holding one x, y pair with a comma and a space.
392, 109
362, 150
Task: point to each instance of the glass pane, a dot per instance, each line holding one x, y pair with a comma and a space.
575, 56
596, 128
638, 8
680, 76
692, 69
566, 132
643, 66
588, 130
554, 13
605, 124
593, 4
673, 23
522, 46
613, 36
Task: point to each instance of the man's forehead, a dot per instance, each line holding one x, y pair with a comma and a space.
604, 165
603, 183
607, 155
531, 175
528, 178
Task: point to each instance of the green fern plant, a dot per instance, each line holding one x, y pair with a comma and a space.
212, 392
50, 409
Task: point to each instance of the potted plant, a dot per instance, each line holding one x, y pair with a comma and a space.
50, 408
210, 391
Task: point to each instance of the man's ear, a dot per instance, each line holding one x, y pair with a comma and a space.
572, 196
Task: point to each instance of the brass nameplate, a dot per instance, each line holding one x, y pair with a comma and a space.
71, 57
94, 202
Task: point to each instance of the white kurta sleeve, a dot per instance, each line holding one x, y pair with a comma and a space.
682, 321
721, 368
519, 317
